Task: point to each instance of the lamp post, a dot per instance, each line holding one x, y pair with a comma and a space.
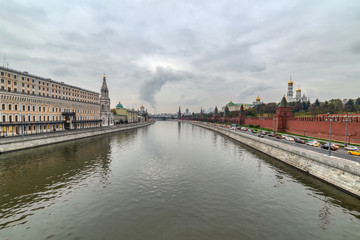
304, 131
261, 118
346, 121
330, 120
274, 123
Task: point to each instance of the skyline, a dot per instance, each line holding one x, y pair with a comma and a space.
168, 54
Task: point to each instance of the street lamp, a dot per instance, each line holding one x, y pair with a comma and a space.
346, 121
304, 131
330, 120
274, 124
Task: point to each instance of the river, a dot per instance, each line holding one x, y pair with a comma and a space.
167, 181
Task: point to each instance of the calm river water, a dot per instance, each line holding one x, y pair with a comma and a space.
167, 181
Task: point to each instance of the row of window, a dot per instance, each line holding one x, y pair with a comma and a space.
40, 118
43, 109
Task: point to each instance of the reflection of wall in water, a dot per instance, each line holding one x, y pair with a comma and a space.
36, 170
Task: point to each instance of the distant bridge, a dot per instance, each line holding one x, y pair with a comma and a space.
161, 117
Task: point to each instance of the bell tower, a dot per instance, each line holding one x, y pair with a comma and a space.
105, 114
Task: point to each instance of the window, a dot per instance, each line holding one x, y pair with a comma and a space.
34, 121
24, 107
28, 108
44, 109
40, 118
34, 108
9, 89
9, 75
9, 82
2, 81
22, 78
15, 76
15, 107
9, 106
2, 73
4, 118
29, 119
39, 109
10, 118
3, 107
16, 118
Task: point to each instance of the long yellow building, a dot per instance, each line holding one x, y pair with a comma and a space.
31, 104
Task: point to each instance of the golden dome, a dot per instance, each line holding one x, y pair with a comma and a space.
258, 99
298, 90
290, 82
142, 106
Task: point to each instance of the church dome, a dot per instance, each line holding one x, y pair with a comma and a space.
119, 106
258, 99
290, 82
230, 103
298, 90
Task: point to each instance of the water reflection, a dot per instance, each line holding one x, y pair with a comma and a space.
32, 181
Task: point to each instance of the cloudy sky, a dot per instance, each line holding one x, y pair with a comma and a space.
197, 53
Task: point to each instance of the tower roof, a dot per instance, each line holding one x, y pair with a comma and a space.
258, 99
283, 102
119, 105
290, 82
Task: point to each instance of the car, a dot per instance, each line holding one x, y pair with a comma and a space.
272, 135
351, 148
283, 136
326, 146
313, 143
279, 136
299, 140
356, 152
336, 145
243, 128
264, 132
260, 135
289, 139
250, 130
255, 131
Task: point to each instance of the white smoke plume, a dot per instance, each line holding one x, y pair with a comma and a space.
161, 76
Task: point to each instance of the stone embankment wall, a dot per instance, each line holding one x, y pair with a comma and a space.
341, 173
19, 143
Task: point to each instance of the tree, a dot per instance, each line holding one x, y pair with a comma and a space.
350, 106
317, 103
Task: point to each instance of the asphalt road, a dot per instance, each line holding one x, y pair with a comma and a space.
341, 153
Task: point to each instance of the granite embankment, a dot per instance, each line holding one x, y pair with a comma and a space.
341, 173
29, 141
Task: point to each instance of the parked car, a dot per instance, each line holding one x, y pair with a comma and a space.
336, 145
351, 148
299, 140
255, 131
326, 146
357, 152
272, 134
279, 136
283, 136
260, 135
244, 128
313, 143
289, 139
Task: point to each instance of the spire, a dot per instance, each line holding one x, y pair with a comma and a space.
283, 102
104, 89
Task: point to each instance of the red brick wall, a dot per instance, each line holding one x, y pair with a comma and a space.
321, 129
315, 127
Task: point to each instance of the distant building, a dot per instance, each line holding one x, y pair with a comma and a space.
105, 115
123, 115
290, 94
187, 112
257, 101
236, 106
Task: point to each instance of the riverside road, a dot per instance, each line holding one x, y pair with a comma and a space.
341, 153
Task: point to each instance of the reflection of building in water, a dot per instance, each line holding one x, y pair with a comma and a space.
58, 165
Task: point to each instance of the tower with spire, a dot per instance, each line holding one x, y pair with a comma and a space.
290, 93
105, 115
179, 113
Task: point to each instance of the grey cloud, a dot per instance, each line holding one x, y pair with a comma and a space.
161, 76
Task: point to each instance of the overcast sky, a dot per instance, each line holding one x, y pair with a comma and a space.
198, 53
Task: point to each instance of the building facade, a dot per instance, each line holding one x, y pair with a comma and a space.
290, 94
31, 104
105, 114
